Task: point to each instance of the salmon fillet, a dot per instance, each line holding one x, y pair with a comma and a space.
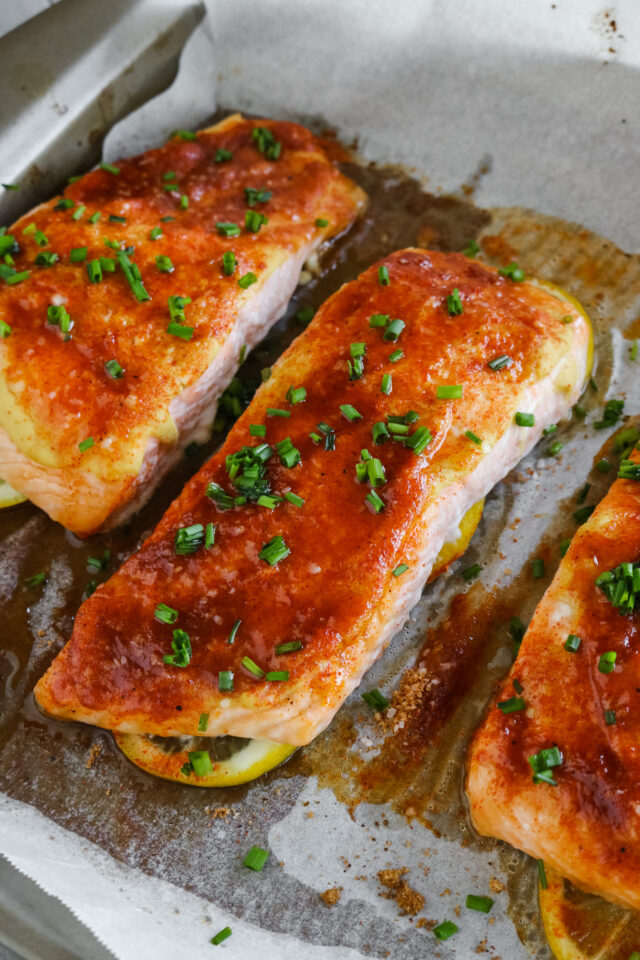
93, 417
581, 701
424, 318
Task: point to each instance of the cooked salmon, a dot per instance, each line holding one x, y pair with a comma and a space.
555, 768
296, 553
127, 302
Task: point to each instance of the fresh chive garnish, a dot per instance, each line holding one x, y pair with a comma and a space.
209, 535
226, 932
512, 705
228, 229
5, 329
481, 904
321, 222
11, 186
551, 428
35, 580
607, 662
271, 502
471, 249
628, 470
110, 168
498, 363
566, 319
449, 392
222, 155
11, 277
78, 212
375, 501
133, 277
274, 551
583, 513
376, 700
542, 764
393, 330
296, 395
525, 419
203, 722
386, 386
181, 646
380, 433
376, 472
165, 614
29, 229
294, 498
257, 430
184, 201
46, 259
78, 254
582, 493
183, 134
116, 218
610, 717
179, 330
454, 303
107, 264
305, 314
383, 276
537, 568
579, 411
470, 435
611, 414
225, 681
445, 930
188, 539
64, 203
247, 280
396, 355
229, 263
58, 316
275, 412
542, 875
256, 858
253, 221
288, 647
471, 572
512, 272
254, 196
418, 441
169, 175
572, 643
155, 233
85, 445
40, 238
177, 325
234, 630
170, 187
266, 143
379, 320
554, 448
400, 569
278, 675
114, 369
200, 763
633, 352
252, 667
564, 545
350, 412
94, 217
164, 264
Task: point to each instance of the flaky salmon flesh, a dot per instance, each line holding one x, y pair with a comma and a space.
295, 554
132, 298
555, 768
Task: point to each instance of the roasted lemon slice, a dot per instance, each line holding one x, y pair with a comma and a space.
203, 761
8, 496
562, 294
581, 926
451, 551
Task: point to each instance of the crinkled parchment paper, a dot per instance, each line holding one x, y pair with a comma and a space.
520, 104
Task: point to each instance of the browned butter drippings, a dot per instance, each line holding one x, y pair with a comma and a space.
419, 771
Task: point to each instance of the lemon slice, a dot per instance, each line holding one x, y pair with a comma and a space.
8, 496
451, 551
233, 760
582, 926
562, 294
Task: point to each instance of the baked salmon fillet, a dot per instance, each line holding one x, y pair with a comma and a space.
126, 304
296, 553
555, 768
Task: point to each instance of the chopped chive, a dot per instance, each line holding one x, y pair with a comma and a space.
375, 501
107, 264
234, 630
225, 933
12, 278
254, 196
40, 238
611, 414
400, 569
180, 330
471, 572
169, 175
94, 217
257, 430
228, 229
525, 419
225, 681
396, 355
164, 613
572, 643
170, 187
609, 717
583, 513
517, 630
64, 203
376, 472
5, 329
247, 280
296, 395
321, 222
181, 646
393, 330
209, 535
542, 875
11, 186
280, 675
512, 705
116, 218
274, 551
498, 363
419, 439
86, 444
305, 314
554, 448
566, 319
379, 320
264, 500
537, 568
350, 412
222, 155
184, 201
188, 539
110, 168
454, 303
445, 930
29, 229
582, 493
164, 264
183, 134
607, 662
449, 392
633, 352
166, 219
386, 385
626, 439
513, 272
78, 254
471, 249
229, 263
288, 647
35, 580
252, 667
200, 763
275, 412
380, 433
481, 904
155, 233
132, 275
550, 429
376, 700
46, 259
628, 470
564, 545
114, 369
253, 221
579, 411
471, 436
266, 143
383, 276
294, 499
256, 858
542, 764
398, 429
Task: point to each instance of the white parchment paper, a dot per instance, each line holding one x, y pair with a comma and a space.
544, 96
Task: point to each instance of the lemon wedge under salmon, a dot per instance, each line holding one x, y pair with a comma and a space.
8, 496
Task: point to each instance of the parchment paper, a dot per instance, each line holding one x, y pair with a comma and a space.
544, 99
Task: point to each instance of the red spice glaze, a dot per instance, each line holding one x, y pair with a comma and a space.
63, 388
342, 554
588, 825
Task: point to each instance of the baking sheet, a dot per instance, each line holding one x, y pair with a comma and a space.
520, 109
